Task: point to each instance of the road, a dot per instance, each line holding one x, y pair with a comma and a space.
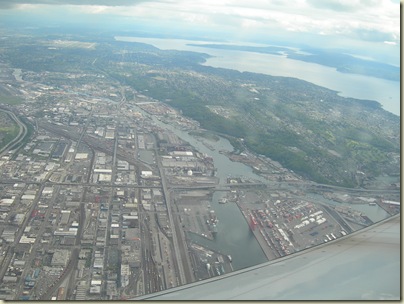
37, 244
284, 185
21, 134
70, 266
10, 252
183, 262
315, 187
82, 219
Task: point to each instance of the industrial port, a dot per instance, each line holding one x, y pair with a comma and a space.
110, 202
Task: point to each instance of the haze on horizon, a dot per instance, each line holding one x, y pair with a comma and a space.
366, 28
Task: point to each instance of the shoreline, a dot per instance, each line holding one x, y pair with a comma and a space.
334, 80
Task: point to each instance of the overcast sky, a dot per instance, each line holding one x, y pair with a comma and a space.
361, 21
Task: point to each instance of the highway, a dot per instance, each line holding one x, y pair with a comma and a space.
182, 261
152, 280
105, 146
224, 187
21, 134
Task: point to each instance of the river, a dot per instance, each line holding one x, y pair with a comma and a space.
386, 92
234, 236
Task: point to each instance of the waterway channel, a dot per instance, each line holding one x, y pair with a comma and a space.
234, 236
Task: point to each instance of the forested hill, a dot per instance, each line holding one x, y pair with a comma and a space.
307, 128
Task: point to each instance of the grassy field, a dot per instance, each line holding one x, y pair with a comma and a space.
10, 100
206, 135
8, 129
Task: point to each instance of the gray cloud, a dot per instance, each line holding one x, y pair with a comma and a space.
373, 35
9, 4
364, 20
342, 5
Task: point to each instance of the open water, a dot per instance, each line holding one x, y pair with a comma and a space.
386, 92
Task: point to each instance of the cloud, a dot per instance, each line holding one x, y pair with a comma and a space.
344, 5
9, 4
367, 20
370, 20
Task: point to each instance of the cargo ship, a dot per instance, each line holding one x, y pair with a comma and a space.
253, 222
212, 217
214, 229
212, 222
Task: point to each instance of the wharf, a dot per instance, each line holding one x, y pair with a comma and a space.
269, 253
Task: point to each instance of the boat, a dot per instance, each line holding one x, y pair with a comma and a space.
223, 201
213, 229
372, 204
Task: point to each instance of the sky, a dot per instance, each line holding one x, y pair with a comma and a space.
365, 25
